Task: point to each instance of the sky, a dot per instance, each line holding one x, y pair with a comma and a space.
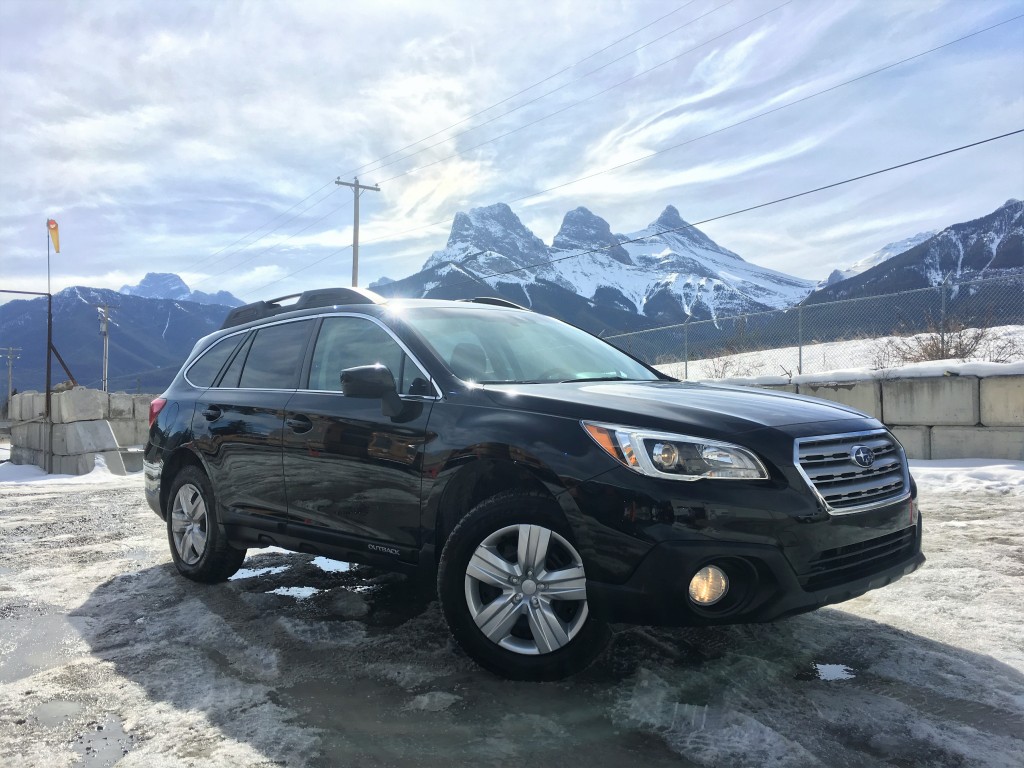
204, 138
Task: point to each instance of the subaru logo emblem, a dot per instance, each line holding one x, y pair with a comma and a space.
862, 456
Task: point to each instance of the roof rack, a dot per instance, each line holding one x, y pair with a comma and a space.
322, 297
496, 302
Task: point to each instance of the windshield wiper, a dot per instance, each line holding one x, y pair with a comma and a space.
600, 378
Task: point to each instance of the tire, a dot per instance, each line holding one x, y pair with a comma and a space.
512, 588
199, 548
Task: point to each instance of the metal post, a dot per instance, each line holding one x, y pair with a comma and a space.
800, 338
357, 190
49, 346
942, 315
686, 351
105, 332
11, 357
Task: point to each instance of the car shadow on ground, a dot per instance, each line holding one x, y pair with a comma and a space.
356, 667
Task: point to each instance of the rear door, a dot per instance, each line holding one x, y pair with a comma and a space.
347, 466
238, 423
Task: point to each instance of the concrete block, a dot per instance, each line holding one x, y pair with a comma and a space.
1002, 401
916, 441
142, 406
780, 387
124, 431
82, 404
27, 456
16, 401
978, 443
78, 464
865, 396
945, 401
132, 460
32, 435
19, 436
113, 461
129, 433
122, 406
83, 437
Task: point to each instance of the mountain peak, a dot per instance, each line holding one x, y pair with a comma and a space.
670, 219
491, 229
582, 230
158, 285
167, 285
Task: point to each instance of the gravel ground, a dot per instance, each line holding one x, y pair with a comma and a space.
106, 656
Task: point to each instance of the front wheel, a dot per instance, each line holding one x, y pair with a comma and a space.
513, 589
198, 547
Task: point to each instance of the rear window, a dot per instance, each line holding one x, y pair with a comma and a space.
203, 372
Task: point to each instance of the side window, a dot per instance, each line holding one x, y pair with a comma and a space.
234, 371
203, 372
275, 357
345, 342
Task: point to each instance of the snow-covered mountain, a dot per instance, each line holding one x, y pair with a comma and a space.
667, 272
882, 254
149, 338
167, 285
989, 247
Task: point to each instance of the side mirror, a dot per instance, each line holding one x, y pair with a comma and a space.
373, 382
370, 381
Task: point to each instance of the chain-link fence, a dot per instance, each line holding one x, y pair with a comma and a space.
977, 320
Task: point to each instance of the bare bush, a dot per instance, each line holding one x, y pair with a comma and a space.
958, 342
729, 367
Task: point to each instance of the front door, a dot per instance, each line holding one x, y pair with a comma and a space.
347, 466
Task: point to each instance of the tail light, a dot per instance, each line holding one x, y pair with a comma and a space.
154, 409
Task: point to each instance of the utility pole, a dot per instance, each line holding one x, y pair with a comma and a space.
105, 333
357, 190
12, 355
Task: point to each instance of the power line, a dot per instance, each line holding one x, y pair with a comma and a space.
776, 201
272, 247
588, 98
676, 146
727, 127
426, 138
521, 91
271, 221
559, 88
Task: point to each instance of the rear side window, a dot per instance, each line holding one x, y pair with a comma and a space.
275, 357
203, 372
347, 342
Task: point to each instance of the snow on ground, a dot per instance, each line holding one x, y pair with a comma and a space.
852, 360
97, 629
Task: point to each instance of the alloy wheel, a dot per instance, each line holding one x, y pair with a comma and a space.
189, 524
526, 589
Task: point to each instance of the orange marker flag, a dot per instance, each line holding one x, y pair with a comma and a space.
54, 234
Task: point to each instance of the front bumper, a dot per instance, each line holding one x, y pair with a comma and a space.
763, 583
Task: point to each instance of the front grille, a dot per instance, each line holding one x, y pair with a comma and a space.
828, 465
856, 561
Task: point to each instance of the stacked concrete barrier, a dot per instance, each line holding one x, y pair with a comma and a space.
86, 423
940, 417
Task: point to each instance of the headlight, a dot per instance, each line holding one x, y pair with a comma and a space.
679, 457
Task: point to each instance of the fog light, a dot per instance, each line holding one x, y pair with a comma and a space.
708, 585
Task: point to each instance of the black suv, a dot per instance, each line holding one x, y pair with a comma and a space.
550, 483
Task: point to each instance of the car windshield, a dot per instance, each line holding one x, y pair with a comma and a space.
496, 346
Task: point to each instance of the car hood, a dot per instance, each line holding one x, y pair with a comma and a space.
670, 404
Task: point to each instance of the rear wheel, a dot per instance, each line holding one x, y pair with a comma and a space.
198, 547
513, 589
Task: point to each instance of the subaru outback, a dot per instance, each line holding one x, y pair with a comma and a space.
547, 482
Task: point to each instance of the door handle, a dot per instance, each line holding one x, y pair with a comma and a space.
212, 413
299, 424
